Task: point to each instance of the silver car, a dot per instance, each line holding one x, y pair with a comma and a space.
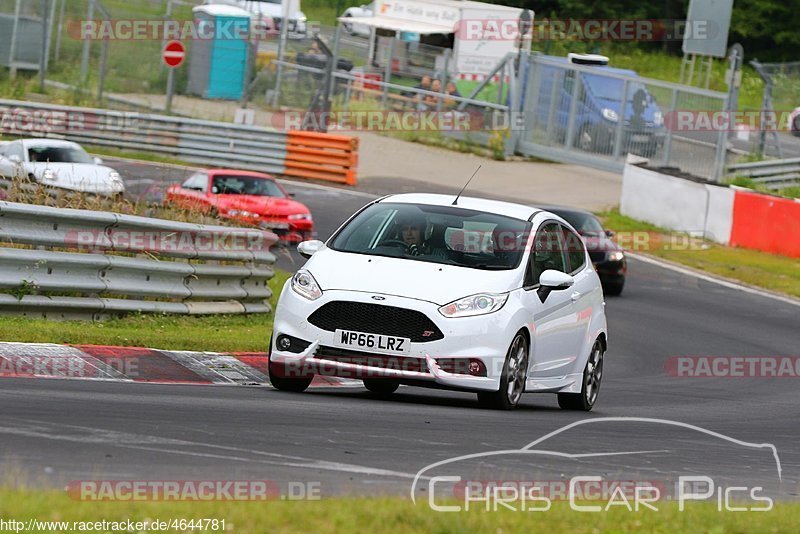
61, 164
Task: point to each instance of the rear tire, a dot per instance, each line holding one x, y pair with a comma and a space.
381, 387
592, 375
512, 381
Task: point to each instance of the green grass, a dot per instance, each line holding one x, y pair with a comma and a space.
382, 514
745, 181
218, 333
761, 269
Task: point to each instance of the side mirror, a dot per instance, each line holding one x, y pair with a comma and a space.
552, 280
610, 233
97, 161
309, 248
13, 158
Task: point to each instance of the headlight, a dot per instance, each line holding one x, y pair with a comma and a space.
658, 118
610, 114
48, 174
299, 217
479, 304
617, 255
304, 285
242, 213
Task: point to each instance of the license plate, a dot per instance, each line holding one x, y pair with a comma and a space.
372, 342
640, 138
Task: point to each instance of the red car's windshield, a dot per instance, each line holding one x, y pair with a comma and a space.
224, 184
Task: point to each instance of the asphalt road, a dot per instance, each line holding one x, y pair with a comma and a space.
55, 431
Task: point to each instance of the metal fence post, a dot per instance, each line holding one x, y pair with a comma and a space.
551, 113
531, 110
619, 130
573, 111
668, 141
387, 71
12, 50
86, 44
721, 150
103, 64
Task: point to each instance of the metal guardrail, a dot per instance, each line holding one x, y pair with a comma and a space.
94, 264
773, 174
193, 140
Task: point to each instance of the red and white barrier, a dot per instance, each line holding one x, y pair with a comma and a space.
728, 215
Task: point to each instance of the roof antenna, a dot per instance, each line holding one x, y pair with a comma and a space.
465, 186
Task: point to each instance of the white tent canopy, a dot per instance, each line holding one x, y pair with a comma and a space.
399, 25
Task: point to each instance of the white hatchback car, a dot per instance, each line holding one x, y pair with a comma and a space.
60, 164
474, 295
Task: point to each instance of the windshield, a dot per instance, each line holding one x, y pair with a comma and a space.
611, 89
58, 154
245, 185
437, 234
584, 223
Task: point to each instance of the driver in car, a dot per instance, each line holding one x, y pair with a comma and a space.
411, 231
411, 235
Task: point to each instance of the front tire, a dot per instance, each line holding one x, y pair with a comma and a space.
512, 381
279, 379
592, 375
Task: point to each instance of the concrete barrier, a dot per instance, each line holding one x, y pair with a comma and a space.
728, 215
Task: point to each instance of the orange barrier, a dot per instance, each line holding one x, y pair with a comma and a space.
767, 223
321, 156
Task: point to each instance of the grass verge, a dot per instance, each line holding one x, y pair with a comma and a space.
392, 514
218, 333
761, 269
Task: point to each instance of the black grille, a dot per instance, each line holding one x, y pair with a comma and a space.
376, 319
399, 363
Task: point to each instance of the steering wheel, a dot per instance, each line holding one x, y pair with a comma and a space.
396, 243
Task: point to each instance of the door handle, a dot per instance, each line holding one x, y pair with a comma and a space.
575, 296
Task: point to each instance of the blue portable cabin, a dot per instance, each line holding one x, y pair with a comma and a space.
218, 58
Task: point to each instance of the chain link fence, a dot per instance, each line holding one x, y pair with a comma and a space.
597, 116
781, 97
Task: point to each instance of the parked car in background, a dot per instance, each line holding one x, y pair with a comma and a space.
250, 198
353, 28
599, 106
607, 256
59, 164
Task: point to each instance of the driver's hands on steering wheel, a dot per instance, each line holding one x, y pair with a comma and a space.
413, 249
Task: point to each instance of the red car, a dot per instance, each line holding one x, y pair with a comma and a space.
250, 198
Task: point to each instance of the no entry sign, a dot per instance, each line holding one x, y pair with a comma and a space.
173, 54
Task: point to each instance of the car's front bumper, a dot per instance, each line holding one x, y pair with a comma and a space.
484, 338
